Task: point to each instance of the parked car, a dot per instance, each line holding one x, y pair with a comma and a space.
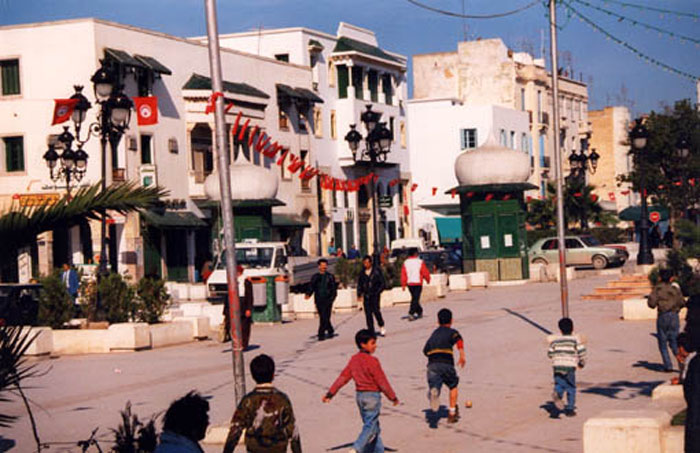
580, 251
442, 261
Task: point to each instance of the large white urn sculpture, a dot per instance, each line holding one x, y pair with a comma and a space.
248, 182
492, 163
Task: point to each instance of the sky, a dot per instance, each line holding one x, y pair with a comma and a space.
615, 75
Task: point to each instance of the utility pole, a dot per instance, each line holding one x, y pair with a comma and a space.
563, 284
226, 204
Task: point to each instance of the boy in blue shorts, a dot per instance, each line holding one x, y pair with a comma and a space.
441, 365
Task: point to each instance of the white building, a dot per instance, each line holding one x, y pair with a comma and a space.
41, 62
349, 71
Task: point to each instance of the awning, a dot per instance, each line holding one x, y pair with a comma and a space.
173, 219
345, 44
261, 203
289, 220
200, 82
315, 45
286, 93
449, 229
634, 213
123, 58
153, 64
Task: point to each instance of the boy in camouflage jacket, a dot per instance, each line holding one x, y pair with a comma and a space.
265, 414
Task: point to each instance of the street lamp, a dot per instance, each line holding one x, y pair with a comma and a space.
580, 163
639, 137
377, 147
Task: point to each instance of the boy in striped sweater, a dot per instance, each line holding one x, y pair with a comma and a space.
567, 353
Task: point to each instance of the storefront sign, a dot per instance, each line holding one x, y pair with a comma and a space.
37, 199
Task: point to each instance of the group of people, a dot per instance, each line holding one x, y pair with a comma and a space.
352, 254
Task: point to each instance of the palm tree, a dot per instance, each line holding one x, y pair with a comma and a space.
20, 225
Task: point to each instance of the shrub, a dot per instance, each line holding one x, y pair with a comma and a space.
117, 298
392, 272
55, 304
347, 271
132, 435
88, 299
151, 299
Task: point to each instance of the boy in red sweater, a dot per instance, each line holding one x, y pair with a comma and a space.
370, 382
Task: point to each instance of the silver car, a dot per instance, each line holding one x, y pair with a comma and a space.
580, 251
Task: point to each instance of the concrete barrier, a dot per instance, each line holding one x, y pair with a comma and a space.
399, 296
387, 298
673, 439
199, 324
217, 434
198, 291
429, 293
478, 279
667, 390
193, 308
459, 282
303, 308
619, 431
43, 343
440, 281
346, 300
538, 272
129, 336
636, 309
86, 341
215, 313
171, 333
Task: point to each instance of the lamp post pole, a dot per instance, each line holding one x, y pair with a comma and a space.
639, 137
563, 284
226, 204
375, 211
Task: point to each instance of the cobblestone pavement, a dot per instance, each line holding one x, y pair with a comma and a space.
508, 377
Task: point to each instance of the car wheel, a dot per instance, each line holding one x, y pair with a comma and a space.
539, 261
600, 262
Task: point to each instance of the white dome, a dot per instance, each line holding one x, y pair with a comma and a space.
248, 182
492, 163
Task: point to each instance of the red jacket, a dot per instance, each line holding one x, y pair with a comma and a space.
413, 272
368, 375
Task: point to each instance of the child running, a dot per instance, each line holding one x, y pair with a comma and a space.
441, 365
567, 352
370, 380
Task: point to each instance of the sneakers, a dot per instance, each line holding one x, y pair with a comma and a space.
434, 397
382, 331
453, 417
558, 402
570, 413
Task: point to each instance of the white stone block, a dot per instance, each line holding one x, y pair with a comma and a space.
303, 308
346, 300
478, 279
667, 390
171, 313
538, 272
217, 434
193, 308
636, 309
43, 343
459, 282
170, 333
129, 336
440, 281
215, 313
619, 431
429, 293
198, 291
84, 341
387, 298
200, 326
673, 439
399, 296
554, 275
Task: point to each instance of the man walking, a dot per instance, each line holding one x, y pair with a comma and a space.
668, 300
324, 289
69, 277
413, 272
370, 285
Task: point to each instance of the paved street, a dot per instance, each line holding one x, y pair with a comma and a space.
508, 377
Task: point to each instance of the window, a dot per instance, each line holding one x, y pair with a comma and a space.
334, 128
9, 73
334, 197
402, 134
331, 74
146, 152
391, 128
572, 244
283, 167
468, 138
504, 138
282, 57
552, 244
400, 191
14, 154
539, 105
346, 199
512, 139
318, 122
343, 81
305, 183
522, 99
357, 75
373, 82
302, 122
524, 143
387, 88
283, 120
172, 145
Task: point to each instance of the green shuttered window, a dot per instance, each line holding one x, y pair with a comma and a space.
14, 153
9, 73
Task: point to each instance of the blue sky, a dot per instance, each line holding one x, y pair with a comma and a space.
616, 76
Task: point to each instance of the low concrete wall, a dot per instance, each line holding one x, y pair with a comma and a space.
667, 390
620, 431
43, 343
478, 279
199, 325
440, 281
168, 334
346, 300
129, 336
81, 341
303, 308
673, 439
636, 309
459, 282
538, 272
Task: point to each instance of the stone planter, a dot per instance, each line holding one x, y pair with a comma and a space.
429, 293
478, 279
199, 324
399, 296
129, 336
43, 343
86, 341
346, 300
459, 282
171, 333
439, 281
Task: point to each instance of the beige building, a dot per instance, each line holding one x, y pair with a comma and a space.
486, 72
609, 139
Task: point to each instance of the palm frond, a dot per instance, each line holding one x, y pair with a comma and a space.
14, 342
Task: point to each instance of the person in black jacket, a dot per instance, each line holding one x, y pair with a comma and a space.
246, 304
691, 392
370, 285
324, 289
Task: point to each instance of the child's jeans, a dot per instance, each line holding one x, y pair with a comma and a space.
369, 440
566, 383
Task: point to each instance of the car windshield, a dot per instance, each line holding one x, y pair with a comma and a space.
590, 241
250, 257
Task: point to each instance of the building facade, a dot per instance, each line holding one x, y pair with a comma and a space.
177, 153
349, 71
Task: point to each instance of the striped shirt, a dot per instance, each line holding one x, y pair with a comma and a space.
567, 352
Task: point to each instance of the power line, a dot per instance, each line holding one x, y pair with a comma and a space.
628, 46
473, 16
651, 8
622, 18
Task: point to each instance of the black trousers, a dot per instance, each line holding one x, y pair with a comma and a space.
415, 309
324, 310
372, 310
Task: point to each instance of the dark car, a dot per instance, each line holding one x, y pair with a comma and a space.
448, 261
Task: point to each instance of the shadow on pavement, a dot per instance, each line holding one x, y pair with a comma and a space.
551, 409
434, 417
527, 320
348, 445
649, 365
612, 390
6, 444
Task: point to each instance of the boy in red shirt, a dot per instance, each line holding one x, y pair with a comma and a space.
370, 380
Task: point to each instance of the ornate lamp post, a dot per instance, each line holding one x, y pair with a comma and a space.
639, 136
580, 163
377, 147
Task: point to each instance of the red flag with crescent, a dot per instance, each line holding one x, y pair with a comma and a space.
63, 110
146, 110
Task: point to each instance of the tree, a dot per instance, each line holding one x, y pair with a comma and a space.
581, 206
660, 168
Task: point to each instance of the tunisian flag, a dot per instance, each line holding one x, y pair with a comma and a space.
146, 110
62, 110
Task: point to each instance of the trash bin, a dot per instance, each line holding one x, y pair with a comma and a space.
270, 310
282, 289
259, 291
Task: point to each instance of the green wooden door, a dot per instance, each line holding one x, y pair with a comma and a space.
176, 255
363, 239
508, 237
486, 246
151, 252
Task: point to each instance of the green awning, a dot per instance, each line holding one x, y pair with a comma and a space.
200, 82
123, 58
153, 64
289, 220
345, 44
285, 92
634, 213
173, 219
266, 202
314, 44
449, 229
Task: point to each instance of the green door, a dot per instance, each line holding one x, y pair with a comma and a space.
507, 236
338, 234
349, 235
151, 252
176, 255
363, 239
486, 246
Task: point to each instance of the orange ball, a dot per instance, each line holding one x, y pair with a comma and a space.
468, 404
